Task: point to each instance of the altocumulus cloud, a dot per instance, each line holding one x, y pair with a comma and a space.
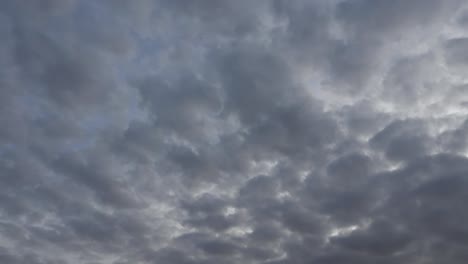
217, 131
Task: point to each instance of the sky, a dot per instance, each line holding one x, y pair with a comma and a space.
233, 131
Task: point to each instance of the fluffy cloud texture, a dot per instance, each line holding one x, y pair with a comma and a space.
233, 131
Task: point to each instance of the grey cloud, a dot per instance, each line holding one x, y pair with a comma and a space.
211, 213
233, 132
403, 140
455, 51
380, 239
355, 166
383, 17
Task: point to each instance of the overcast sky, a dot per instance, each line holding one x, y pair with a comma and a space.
233, 131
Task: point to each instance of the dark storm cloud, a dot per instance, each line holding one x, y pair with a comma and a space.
233, 132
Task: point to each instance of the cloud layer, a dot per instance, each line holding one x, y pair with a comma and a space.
216, 131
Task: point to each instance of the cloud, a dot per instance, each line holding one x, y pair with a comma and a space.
155, 131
